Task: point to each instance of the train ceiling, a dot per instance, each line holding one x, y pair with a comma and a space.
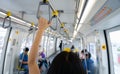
68, 16
30, 8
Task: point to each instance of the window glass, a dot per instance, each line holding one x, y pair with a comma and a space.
45, 44
115, 42
27, 42
50, 46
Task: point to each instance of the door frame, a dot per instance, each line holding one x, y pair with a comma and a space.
109, 47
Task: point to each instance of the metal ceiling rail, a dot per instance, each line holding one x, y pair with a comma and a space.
11, 18
1, 18
1, 10
86, 1
54, 12
53, 9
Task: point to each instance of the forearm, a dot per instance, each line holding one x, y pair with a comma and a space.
34, 48
33, 67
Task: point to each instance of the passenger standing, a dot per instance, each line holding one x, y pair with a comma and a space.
66, 63
90, 64
83, 58
24, 60
61, 45
82, 54
72, 48
87, 62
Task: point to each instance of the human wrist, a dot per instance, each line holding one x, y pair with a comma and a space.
41, 30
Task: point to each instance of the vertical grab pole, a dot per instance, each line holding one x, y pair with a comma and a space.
3, 66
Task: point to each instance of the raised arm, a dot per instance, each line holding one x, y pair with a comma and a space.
33, 67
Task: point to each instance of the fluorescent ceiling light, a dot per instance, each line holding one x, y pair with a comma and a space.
16, 19
82, 2
76, 24
75, 33
88, 8
79, 26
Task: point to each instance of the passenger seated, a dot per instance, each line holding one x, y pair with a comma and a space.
42, 60
24, 60
64, 63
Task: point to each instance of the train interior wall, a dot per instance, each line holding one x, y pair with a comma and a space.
94, 39
95, 36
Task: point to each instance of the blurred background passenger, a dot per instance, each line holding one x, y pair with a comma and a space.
24, 60
43, 64
61, 45
87, 62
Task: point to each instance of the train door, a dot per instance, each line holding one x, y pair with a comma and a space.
113, 39
4, 35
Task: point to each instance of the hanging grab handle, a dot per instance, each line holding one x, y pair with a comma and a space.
54, 15
7, 18
54, 12
44, 2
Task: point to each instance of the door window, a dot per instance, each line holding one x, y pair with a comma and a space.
115, 44
113, 39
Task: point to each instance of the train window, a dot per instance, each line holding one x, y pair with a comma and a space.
48, 45
113, 36
27, 42
45, 44
92, 50
51, 46
115, 42
2, 36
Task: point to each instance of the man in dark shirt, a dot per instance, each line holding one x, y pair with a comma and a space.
61, 45
24, 60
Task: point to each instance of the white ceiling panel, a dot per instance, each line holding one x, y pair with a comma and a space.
31, 6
